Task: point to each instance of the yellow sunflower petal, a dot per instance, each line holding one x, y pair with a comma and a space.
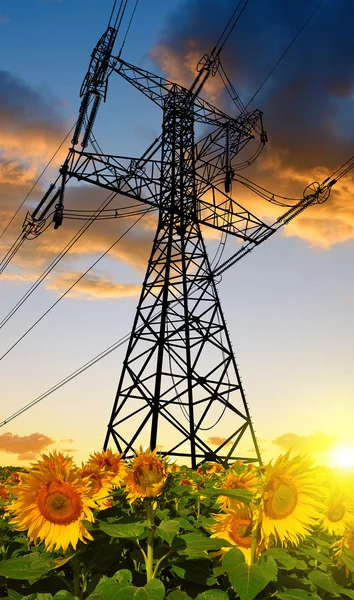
52, 502
291, 500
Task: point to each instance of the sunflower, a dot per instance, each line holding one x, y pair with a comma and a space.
15, 478
4, 496
339, 511
100, 484
52, 503
236, 526
52, 460
112, 463
345, 542
244, 478
290, 499
209, 469
147, 476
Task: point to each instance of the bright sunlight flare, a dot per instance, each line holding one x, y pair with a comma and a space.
343, 456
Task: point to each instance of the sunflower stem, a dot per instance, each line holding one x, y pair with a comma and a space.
254, 538
76, 572
149, 562
157, 566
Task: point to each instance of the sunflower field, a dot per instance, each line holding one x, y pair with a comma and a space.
146, 529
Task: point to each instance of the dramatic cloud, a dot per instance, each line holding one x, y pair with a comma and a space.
307, 101
317, 442
27, 447
34, 256
32, 124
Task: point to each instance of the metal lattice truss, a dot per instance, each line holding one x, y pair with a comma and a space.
179, 379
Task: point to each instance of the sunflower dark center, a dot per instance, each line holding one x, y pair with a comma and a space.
335, 512
59, 503
281, 498
241, 532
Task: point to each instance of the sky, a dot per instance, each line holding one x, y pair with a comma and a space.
288, 305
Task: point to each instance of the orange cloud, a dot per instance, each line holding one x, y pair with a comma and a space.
305, 107
27, 447
317, 442
93, 286
217, 441
32, 124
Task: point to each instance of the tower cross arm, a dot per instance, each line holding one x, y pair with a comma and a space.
219, 211
135, 178
157, 88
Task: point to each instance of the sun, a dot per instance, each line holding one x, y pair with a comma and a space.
343, 456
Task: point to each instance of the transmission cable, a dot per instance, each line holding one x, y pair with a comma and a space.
284, 53
58, 258
228, 25
150, 209
128, 28
74, 374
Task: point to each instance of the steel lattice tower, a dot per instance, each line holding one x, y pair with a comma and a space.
179, 363
179, 378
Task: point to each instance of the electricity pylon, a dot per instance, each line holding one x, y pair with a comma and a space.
179, 379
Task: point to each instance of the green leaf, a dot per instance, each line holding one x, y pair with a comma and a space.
167, 530
197, 545
180, 490
319, 542
28, 566
184, 524
301, 565
105, 590
247, 581
283, 557
63, 595
212, 595
232, 559
123, 576
297, 595
325, 582
347, 557
154, 590
269, 567
178, 595
237, 494
347, 592
307, 551
128, 531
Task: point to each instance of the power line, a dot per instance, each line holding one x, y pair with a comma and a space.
284, 53
128, 28
58, 258
61, 383
76, 282
228, 25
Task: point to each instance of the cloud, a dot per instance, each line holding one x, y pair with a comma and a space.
215, 440
132, 249
32, 122
27, 447
317, 442
93, 286
307, 104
